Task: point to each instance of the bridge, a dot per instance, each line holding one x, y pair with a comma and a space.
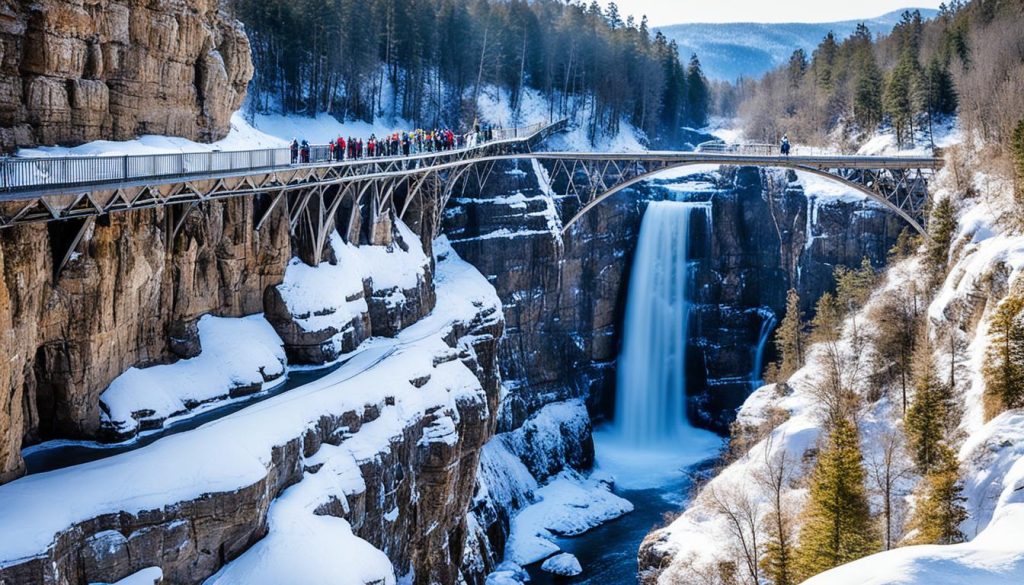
417, 188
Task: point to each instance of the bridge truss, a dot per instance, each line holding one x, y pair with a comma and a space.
364, 194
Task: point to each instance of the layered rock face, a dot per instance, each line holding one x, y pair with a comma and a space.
563, 297
129, 297
766, 233
73, 71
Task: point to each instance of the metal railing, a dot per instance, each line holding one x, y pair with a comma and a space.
28, 173
717, 147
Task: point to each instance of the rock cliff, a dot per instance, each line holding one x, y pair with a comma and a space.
129, 297
73, 71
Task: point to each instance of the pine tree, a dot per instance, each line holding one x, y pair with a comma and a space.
853, 287
899, 100
941, 228
837, 525
698, 94
940, 511
1017, 152
1004, 372
828, 318
789, 337
926, 417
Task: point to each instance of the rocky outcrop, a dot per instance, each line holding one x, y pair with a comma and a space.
73, 71
766, 234
129, 297
413, 427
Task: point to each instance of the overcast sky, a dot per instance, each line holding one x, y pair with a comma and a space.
664, 12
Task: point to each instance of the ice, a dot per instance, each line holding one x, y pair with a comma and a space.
564, 565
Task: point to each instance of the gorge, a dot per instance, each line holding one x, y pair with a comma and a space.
461, 364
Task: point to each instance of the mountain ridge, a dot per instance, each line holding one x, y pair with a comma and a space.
729, 51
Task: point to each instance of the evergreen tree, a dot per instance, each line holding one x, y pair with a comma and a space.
867, 97
926, 417
837, 527
853, 287
939, 511
1004, 371
789, 337
824, 60
941, 228
1017, 152
899, 100
698, 94
828, 318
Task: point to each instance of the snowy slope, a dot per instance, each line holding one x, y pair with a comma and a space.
237, 450
987, 257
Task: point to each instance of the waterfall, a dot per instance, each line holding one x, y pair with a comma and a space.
767, 326
651, 397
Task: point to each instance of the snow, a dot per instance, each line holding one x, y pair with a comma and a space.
160, 392
236, 451
242, 136
325, 128
568, 506
947, 133
391, 270
327, 295
147, 576
564, 565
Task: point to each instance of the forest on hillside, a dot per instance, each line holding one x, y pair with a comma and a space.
427, 61
969, 61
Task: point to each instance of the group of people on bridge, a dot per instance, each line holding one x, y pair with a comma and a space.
391, 145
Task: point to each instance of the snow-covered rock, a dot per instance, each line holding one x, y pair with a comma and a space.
144, 398
563, 565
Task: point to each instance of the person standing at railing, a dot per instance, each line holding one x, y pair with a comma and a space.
785, 146
304, 152
294, 148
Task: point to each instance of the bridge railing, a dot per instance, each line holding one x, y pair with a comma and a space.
756, 149
24, 174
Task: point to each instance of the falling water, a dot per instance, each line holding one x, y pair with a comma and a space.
651, 397
767, 326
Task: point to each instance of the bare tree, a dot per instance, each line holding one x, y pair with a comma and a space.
742, 512
773, 478
886, 468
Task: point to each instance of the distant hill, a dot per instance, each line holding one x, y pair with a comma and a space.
732, 50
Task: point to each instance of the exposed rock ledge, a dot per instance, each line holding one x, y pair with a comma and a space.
393, 451
74, 71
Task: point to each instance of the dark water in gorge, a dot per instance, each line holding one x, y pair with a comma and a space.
608, 553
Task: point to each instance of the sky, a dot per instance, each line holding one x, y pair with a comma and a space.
665, 12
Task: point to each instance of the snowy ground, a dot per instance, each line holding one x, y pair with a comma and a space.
236, 451
150, 396
992, 455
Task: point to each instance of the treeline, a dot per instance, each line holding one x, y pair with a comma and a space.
427, 61
856, 502
968, 60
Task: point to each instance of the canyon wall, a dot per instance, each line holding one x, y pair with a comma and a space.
128, 297
73, 71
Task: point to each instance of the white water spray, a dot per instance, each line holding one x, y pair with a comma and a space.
650, 402
756, 378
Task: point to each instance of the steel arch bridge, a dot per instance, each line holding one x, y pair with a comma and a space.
416, 189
